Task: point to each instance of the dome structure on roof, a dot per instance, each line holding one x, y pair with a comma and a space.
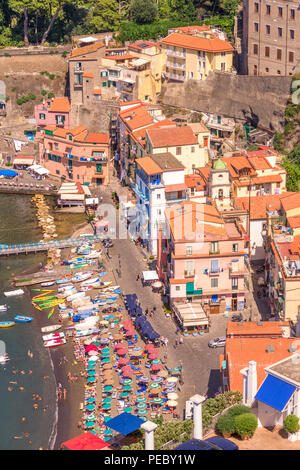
219, 165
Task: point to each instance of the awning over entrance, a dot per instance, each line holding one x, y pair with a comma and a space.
275, 392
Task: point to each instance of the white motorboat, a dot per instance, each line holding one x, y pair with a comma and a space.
12, 293
47, 284
53, 336
3, 308
50, 328
82, 276
4, 359
90, 281
53, 343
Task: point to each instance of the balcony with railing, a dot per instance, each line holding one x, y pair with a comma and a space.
175, 65
173, 53
141, 195
175, 76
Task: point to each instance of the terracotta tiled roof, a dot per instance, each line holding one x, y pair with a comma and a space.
175, 187
294, 222
60, 105
88, 75
172, 137
198, 127
60, 132
251, 328
259, 205
204, 172
291, 201
259, 163
235, 164
198, 44
141, 45
49, 128
136, 117
97, 139
239, 351
120, 57
97, 91
141, 133
263, 151
78, 51
148, 165
260, 180
195, 181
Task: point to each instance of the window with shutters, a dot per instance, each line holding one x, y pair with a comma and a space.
267, 51
279, 54
98, 168
291, 57
255, 49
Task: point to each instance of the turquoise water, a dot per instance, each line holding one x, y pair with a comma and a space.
17, 226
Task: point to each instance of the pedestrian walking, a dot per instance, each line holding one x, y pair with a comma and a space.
146, 311
166, 341
166, 355
151, 313
181, 340
137, 277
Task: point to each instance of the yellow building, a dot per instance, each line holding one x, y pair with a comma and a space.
187, 56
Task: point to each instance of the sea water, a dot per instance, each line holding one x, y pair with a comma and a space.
35, 375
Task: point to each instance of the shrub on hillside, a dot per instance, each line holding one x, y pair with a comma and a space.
291, 423
245, 425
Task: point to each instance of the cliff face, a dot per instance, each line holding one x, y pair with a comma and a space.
259, 100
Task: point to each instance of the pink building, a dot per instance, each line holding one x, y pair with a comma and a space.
75, 154
54, 112
202, 257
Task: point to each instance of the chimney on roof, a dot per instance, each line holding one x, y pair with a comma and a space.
249, 383
270, 348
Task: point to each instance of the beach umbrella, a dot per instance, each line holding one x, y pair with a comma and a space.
123, 361
117, 320
135, 353
124, 395
93, 354
176, 370
105, 360
128, 410
107, 400
108, 388
127, 381
104, 340
91, 362
105, 350
149, 347
106, 406
91, 373
103, 322
91, 400
172, 396
157, 400
127, 388
91, 380
130, 333
155, 367
163, 373
141, 399
154, 385
90, 407
105, 356
121, 351
90, 368
91, 347
157, 379
172, 380
108, 432
90, 424
141, 406
170, 390
127, 373
144, 378
156, 361
142, 412
94, 358
172, 403
152, 356
137, 349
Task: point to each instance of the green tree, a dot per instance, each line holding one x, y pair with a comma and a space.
291, 423
143, 11
229, 7
182, 10
105, 15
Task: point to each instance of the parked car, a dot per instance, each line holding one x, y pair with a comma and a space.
213, 443
217, 342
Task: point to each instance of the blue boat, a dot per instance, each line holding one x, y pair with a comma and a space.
23, 319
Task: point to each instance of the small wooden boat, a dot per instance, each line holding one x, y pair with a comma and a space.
23, 319
48, 284
11, 293
53, 336
53, 343
6, 324
50, 328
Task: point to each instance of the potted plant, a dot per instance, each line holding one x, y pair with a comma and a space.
225, 425
291, 425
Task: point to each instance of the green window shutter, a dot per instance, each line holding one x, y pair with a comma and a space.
103, 83
189, 288
98, 168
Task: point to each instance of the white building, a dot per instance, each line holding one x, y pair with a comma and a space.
159, 184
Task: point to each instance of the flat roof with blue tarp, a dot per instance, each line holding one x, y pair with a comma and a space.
275, 392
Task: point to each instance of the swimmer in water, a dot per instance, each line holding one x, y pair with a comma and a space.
35, 406
9, 389
21, 388
22, 372
23, 420
30, 372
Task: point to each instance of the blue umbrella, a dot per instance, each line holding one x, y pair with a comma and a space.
144, 379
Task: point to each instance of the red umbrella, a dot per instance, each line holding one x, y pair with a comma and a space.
127, 373
123, 361
121, 352
149, 347
156, 367
153, 356
127, 322
91, 347
130, 333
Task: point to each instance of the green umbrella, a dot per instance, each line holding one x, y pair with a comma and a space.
105, 350
106, 406
90, 407
96, 343
124, 394
90, 424
108, 388
91, 373
108, 432
106, 418
127, 381
105, 354
105, 360
107, 400
154, 385
128, 410
117, 320
157, 400
127, 387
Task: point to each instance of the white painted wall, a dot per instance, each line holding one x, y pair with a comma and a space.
256, 240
